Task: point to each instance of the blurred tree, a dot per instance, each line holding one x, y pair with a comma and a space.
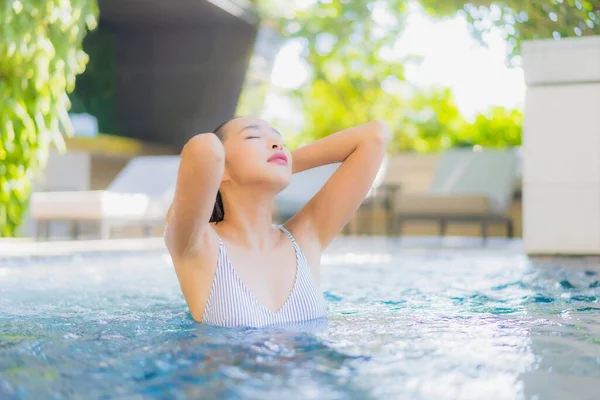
523, 20
431, 121
348, 49
356, 76
40, 55
498, 127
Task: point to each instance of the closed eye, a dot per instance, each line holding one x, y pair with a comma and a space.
253, 137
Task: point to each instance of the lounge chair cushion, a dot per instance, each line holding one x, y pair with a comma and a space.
88, 205
303, 186
442, 205
489, 173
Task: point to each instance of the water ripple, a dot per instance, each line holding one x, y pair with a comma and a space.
490, 324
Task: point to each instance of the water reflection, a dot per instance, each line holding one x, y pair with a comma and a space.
190, 361
566, 335
435, 324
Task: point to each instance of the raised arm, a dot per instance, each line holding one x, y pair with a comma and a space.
360, 150
198, 180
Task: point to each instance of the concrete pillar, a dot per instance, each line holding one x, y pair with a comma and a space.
561, 146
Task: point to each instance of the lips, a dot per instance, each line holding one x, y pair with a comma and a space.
278, 158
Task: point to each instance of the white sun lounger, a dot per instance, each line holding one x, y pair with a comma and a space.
468, 186
305, 185
139, 195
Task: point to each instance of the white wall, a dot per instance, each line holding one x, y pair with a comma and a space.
561, 147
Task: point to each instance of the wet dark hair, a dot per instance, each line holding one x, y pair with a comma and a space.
218, 212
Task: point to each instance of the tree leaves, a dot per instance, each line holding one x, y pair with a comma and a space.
345, 41
523, 20
357, 76
40, 55
430, 121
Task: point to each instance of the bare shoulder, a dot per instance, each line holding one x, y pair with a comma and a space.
307, 241
204, 247
196, 270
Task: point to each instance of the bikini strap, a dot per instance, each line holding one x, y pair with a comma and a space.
292, 238
220, 240
302, 263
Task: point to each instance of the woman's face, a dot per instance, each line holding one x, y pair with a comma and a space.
255, 154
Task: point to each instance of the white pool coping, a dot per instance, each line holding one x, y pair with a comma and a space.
15, 248
10, 248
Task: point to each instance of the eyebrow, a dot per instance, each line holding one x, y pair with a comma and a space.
257, 127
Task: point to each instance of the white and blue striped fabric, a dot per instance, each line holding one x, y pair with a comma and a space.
231, 304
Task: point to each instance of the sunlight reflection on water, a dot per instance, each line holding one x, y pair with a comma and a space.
439, 324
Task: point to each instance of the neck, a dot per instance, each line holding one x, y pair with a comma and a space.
249, 216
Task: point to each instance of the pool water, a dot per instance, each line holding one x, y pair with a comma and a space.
404, 323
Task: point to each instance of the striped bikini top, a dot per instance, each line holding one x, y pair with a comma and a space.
231, 304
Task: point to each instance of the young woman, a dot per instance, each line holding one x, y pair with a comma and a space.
235, 268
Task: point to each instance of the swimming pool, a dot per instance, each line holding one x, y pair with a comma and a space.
418, 323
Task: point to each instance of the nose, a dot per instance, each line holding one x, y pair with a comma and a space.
277, 144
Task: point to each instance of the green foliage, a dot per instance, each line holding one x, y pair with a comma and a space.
349, 50
40, 55
499, 127
356, 77
431, 121
523, 20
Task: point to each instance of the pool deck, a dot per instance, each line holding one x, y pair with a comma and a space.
18, 248
10, 248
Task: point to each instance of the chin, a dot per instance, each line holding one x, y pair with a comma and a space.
281, 184
278, 181
273, 179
